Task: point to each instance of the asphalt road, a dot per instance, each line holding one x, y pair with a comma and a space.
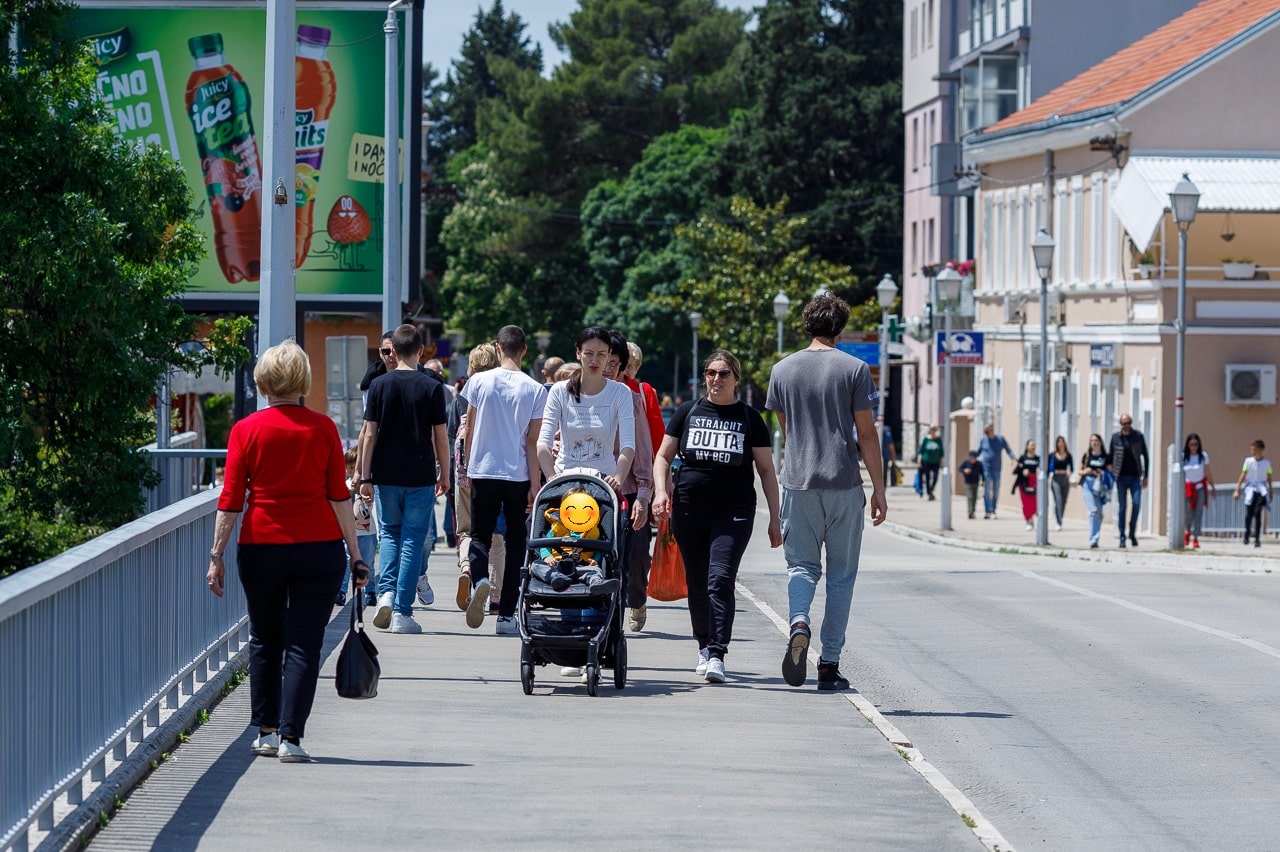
1079, 706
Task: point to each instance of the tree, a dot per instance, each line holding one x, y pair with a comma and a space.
739, 267
825, 127
98, 240
629, 232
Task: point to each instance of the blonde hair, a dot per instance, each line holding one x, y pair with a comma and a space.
283, 370
483, 357
568, 371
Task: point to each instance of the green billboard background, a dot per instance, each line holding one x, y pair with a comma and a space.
145, 67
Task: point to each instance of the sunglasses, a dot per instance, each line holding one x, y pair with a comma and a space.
718, 374
385, 351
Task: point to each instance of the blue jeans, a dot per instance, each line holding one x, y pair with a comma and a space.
1126, 486
367, 545
404, 519
810, 520
1094, 505
990, 490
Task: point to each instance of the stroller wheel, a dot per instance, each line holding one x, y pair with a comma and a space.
593, 680
620, 663
526, 668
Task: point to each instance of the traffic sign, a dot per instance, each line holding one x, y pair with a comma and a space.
965, 349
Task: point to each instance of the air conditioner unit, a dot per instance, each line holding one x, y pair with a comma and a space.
1058, 352
1251, 384
1013, 309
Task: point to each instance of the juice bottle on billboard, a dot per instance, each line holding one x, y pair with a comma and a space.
317, 89
218, 105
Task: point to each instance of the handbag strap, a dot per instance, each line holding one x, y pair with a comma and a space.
357, 604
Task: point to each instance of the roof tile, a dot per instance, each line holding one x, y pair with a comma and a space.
1145, 62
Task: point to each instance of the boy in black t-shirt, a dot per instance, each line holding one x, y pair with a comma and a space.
971, 470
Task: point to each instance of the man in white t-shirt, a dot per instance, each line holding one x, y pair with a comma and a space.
499, 448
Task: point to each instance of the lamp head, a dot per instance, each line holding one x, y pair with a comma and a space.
695, 319
1042, 246
886, 291
1184, 201
948, 281
781, 304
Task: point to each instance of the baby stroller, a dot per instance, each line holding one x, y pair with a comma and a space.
570, 611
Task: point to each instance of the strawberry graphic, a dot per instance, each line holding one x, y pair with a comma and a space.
348, 222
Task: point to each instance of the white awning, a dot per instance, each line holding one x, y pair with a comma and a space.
1226, 184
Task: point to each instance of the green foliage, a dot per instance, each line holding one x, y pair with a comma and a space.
629, 232
739, 269
28, 538
98, 240
825, 127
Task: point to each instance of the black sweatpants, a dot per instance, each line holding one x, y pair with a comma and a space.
488, 498
711, 545
289, 590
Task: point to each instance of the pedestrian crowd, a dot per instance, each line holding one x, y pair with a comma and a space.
314, 521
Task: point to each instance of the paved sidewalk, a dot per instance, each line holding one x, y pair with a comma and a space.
918, 517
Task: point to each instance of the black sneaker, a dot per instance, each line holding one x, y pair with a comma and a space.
795, 663
340, 600
1122, 542
1133, 539
829, 677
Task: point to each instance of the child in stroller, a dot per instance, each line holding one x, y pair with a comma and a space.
577, 517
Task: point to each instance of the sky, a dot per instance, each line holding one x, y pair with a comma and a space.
448, 20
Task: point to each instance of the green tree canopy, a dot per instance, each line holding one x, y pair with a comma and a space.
739, 267
98, 239
825, 127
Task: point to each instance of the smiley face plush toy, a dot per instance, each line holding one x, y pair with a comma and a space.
577, 517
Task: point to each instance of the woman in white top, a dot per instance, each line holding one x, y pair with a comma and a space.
589, 412
1199, 481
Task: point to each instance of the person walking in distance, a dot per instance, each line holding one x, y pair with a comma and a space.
500, 455
1095, 473
930, 457
1129, 463
823, 398
1255, 484
1199, 485
639, 556
1061, 468
989, 449
1024, 482
971, 470
403, 437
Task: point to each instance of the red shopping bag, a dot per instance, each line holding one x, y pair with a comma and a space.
666, 574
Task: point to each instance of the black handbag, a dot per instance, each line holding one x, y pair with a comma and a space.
358, 669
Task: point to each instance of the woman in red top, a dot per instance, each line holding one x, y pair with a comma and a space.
286, 471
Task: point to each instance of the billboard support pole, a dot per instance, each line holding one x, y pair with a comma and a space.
391, 303
278, 291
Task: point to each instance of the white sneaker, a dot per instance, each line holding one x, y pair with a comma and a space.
506, 626
703, 656
478, 605
266, 744
382, 618
290, 753
1030, 526
571, 671
1058, 528
404, 624
426, 596
715, 670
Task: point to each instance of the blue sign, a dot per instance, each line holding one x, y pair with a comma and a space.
869, 352
1102, 355
965, 349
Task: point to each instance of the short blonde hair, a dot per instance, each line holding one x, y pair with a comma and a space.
483, 357
283, 370
568, 371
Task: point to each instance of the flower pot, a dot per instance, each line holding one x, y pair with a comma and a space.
1238, 271
1146, 270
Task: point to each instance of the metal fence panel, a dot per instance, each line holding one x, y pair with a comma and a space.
92, 641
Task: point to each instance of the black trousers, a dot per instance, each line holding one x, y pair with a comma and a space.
289, 590
489, 497
1253, 516
711, 545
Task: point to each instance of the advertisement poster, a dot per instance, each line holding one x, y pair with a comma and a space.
191, 80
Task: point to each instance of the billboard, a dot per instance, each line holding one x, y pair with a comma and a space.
192, 81
966, 348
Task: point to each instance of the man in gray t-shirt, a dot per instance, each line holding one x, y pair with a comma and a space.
824, 400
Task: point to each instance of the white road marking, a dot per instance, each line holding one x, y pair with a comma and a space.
1163, 616
987, 833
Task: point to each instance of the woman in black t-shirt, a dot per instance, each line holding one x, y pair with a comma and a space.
1024, 480
713, 508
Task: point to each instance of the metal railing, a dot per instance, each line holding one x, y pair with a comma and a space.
182, 470
101, 646
1224, 517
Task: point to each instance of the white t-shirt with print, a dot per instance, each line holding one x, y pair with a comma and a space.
1193, 467
589, 426
506, 402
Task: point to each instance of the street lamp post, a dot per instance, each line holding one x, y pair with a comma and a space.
948, 283
781, 304
1042, 247
1184, 200
886, 294
695, 320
